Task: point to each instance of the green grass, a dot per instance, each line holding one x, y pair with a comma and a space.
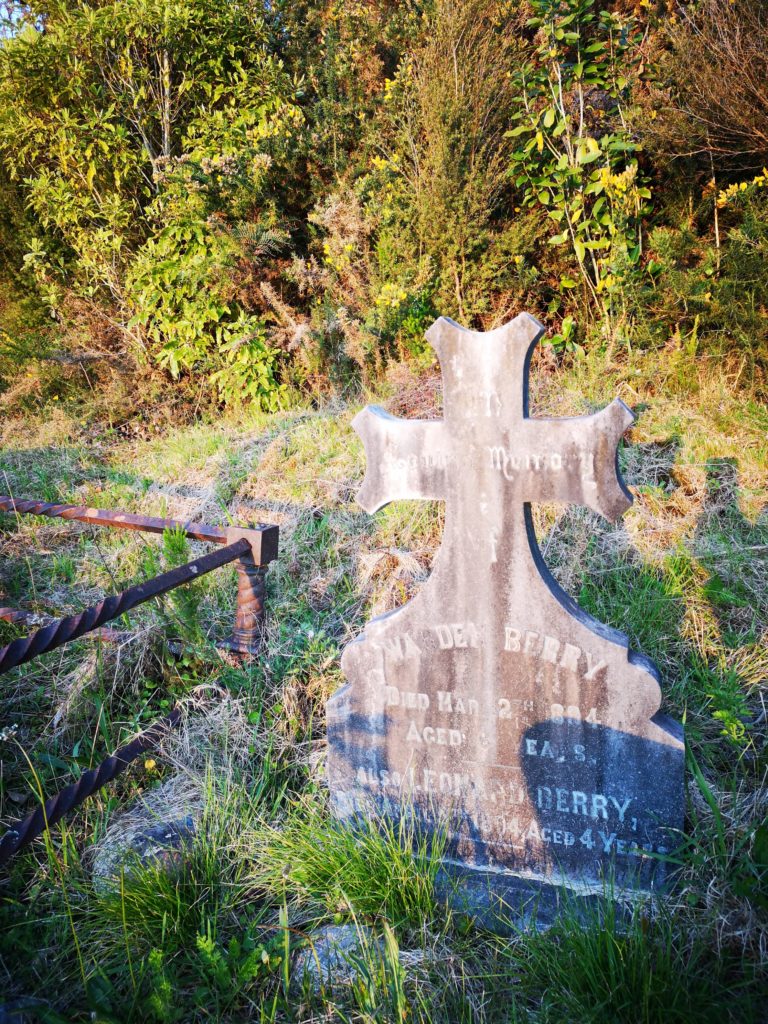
375, 869
610, 970
684, 574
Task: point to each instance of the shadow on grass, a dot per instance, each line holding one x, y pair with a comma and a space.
706, 602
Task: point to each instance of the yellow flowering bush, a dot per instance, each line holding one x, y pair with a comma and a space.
391, 296
727, 195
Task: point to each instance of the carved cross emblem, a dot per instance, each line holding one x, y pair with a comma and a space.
447, 692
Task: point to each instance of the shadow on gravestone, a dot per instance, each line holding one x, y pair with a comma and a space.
491, 701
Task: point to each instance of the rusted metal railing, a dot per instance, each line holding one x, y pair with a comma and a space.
23, 832
114, 520
73, 626
251, 548
24, 617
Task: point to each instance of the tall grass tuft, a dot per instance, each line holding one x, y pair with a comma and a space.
609, 969
374, 868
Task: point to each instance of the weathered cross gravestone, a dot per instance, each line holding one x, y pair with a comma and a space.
491, 704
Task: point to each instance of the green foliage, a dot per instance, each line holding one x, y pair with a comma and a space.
225, 973
25, 336
135, 133
254, 200
345, 51
378, 867
160, 1002
173, 285
183, 602
181, 282
625, 966
577, 158
704, 298
439, 198
420, 228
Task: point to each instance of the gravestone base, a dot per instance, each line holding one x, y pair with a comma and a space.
558, 836
505, 902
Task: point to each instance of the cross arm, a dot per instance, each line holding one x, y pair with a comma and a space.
404, 458
584, 469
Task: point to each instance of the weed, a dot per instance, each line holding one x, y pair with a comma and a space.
184, 602
608, 969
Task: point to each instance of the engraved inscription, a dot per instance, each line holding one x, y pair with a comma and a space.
511, 463
406, 699
429, 734
549, 649
457, 635
593, 805
456, 704
534, 748
400, 647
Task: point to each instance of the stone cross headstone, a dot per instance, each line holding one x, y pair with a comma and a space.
491, 705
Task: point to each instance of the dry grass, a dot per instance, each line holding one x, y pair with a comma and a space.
685, 574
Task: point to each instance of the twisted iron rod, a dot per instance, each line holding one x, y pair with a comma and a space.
50, 637
23, 832
250, 548
119, 520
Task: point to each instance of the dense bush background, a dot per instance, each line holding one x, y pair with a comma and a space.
240, 201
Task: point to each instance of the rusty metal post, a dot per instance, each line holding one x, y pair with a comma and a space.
248, 631
262, 540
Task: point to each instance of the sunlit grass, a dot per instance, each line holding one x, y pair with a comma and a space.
684, 575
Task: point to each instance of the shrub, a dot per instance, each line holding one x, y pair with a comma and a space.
136, 134
182, 283
710, 86
444, 176
577, 158
710, 298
